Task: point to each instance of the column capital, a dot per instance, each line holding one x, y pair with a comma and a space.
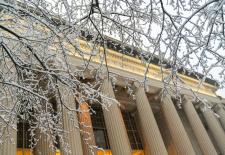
103, 76
187, 97
205, 107
217, 107
165, 96
138, 84
110, 79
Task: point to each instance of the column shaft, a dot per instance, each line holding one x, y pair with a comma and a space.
8, 135
150, 130
221, 113
202, 137
176, 128
215, 128
43, 145
116, 129
72, 138
9, 142
88, 139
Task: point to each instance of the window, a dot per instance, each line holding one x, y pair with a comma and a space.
100, 132
23, 135
132, 132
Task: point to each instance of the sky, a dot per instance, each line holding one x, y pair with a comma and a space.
169, 9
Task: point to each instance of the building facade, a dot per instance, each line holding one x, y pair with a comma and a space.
145, 123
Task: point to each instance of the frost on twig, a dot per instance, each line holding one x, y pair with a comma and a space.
38, 39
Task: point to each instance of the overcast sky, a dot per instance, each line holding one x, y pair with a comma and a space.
170, 9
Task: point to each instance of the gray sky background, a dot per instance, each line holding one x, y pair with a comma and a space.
214, 72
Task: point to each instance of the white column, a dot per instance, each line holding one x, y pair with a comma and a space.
176, 128
200, 133
215, 128
221, 112
116, 129
43, 145
8, 132
9, 145
150, 130
70, 124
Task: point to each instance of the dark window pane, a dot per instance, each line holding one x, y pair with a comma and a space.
132, 132
100, 138
23, 135
100, 132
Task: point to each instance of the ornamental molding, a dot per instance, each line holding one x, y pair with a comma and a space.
134, 65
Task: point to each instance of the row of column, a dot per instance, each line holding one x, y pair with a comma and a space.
176, 128
215, 128
200, 133
153, 142
220, 110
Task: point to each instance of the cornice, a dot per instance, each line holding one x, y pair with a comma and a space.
135, 66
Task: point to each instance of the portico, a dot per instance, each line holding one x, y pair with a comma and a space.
143, 121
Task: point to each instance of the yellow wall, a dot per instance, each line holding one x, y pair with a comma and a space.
28, 152
23, 152
138, 152
108, 152
100, 152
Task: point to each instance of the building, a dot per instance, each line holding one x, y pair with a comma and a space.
146, 124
